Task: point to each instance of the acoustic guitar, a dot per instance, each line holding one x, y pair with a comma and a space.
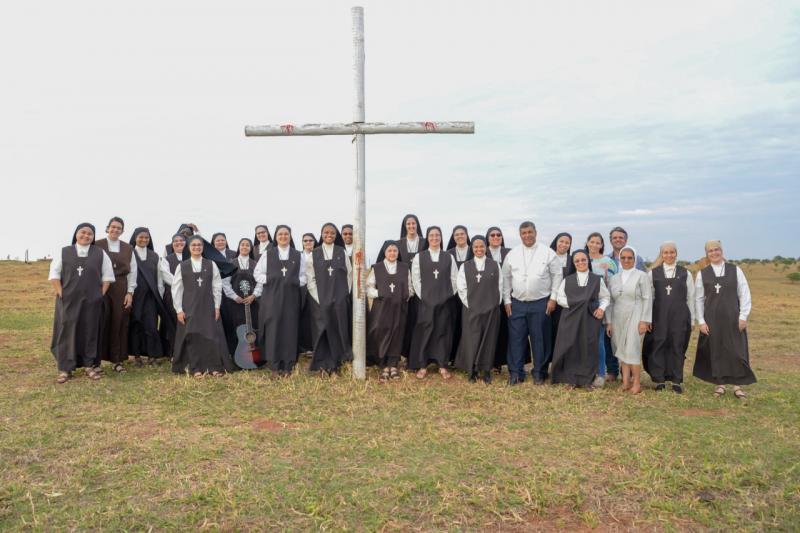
247, 354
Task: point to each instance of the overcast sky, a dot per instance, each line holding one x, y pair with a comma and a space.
676, 120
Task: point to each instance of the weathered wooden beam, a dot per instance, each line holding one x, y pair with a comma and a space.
353, 128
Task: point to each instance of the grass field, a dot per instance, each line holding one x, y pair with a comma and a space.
151, 450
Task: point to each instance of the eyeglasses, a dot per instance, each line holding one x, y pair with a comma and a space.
495, 235
626, 258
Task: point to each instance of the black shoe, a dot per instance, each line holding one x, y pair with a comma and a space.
487, 377
538, 381
660, 387
513, 380
677, 388
473, 378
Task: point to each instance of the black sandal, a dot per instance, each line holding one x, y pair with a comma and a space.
92, 374
394, 374
137, 362
740, 394
119, 368
63, 377
384, 376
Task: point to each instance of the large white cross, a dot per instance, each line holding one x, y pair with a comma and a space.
478, 277
436, 274
80, 271
199, 282
359, 128
718, 287
284, 271
391, 287
669, 289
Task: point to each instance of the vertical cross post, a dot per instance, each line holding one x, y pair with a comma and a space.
359, 227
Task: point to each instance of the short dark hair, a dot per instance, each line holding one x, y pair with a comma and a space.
116, 219
527, 224
619, 229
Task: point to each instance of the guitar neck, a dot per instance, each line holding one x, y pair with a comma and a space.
247, 318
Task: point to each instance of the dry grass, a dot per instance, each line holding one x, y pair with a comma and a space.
247, 452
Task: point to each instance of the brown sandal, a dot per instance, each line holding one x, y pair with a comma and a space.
719, 391
197, 375
421, 373
63, 377
739, 393
91, 373
119, 368
444, 373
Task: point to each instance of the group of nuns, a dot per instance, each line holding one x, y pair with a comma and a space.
435, 306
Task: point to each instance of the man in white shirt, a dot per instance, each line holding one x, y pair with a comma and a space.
531, 277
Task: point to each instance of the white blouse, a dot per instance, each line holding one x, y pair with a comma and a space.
461, 280
416, 277
742, 291
604, 296
391, 268
56, 265
260, 270
197, 266
669, 273
311, 279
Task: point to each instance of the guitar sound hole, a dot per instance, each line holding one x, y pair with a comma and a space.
250, 338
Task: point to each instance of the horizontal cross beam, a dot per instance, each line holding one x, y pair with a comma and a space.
282, 130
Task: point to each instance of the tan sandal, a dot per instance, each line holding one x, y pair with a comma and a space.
92, 374
421, 373
197, 375
719, 391
444, 373
739, 393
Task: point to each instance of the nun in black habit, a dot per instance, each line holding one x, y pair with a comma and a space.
409, 245
329, 282
232, 309
433, 273
723, 305
498, 251
389, 287
197, 295
306, 342
480, 291
561, 245
459, 248
168, 266
80, 274
281, 270
148, 304
583, 297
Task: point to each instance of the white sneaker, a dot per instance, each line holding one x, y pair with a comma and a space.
598, 382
